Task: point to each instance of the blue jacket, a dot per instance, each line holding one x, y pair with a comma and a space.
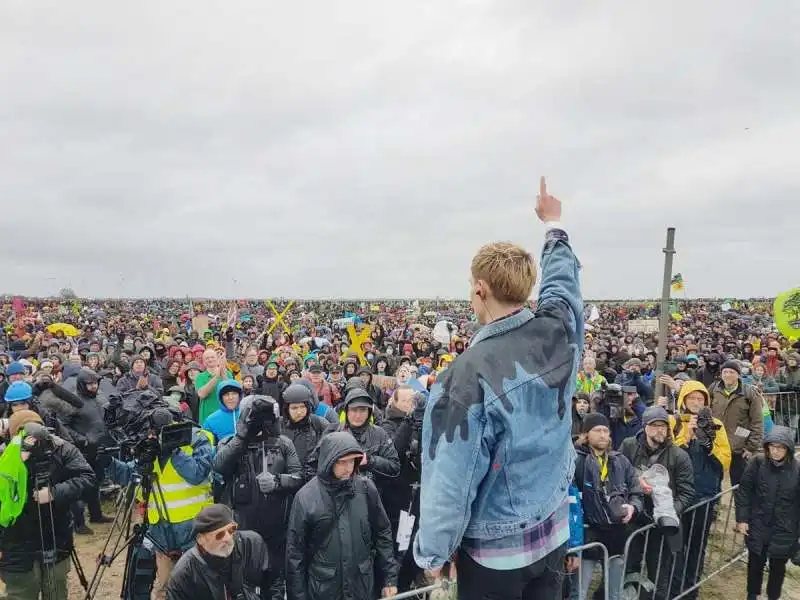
636, 380
222, 422
497, 450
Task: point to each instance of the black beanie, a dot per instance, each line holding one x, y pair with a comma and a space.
592, 420
732, 364
212, 518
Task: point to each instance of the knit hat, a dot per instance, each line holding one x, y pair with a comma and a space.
655, 414
732, 364
21, 418
212, 518
592, 420
15, 368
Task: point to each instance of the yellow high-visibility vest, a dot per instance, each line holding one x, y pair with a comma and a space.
173, 498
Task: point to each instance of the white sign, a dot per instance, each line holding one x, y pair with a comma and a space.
643, 326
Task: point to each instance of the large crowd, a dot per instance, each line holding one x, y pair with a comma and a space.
310, 450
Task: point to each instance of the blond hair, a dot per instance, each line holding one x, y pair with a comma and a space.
508, 269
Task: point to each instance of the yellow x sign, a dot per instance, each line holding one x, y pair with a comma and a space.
279, 316
357, 341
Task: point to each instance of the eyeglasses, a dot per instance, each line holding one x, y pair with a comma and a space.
229, 530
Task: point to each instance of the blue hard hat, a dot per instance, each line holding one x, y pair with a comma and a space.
15, 368
19, 391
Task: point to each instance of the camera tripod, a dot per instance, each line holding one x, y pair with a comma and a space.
42, 480
131, 538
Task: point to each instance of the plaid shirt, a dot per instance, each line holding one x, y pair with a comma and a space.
523, 549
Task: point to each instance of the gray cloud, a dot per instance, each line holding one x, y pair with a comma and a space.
368, 148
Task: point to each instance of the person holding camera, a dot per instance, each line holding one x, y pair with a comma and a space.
181, 478
611, 497
261, 471
42, 476
225, 562
654, 446
704, 438
623, 407
631, 376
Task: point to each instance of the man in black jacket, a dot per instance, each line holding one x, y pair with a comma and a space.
261, 472
340, 539
652, 446
381, 462
225, 563
57, 476
89, 432
299, 423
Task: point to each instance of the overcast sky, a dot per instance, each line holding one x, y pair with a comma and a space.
368, 148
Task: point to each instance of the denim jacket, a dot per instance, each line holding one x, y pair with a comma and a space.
497, 453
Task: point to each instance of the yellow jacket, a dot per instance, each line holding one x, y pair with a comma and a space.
722, 447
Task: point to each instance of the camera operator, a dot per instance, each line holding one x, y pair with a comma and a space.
42, 476
632, 376
261, 472
181, 489
704, 438
623, 407
403, 423
20, 396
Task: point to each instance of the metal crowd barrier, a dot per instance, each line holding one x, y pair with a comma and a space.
786, 410
708, 545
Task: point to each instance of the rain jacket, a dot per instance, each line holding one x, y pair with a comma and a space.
588, 385
498, 421
709, 467
240, 461
222, 423
70, 477
739, 410
767, 499
340, 539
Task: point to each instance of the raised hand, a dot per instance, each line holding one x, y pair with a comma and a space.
548, 207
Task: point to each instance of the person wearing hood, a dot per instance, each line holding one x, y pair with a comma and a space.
350, 369
88, 428
222, 423
36, 531
380, 456
654, 445
299, 423
225, 562
768, 511
703, 437
139, 378
709, 373
340, 539
261, 471
271, 383
320, 408
21, 396
377, 395
581, 403
148, 354
192, 370
740, 408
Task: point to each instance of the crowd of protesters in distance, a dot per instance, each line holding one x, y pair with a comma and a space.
286, 406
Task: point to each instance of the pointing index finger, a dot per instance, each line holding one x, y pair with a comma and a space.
542, 187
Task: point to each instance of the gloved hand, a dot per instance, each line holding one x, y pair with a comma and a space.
266, 482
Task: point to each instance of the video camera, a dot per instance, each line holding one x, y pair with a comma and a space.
614, 398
